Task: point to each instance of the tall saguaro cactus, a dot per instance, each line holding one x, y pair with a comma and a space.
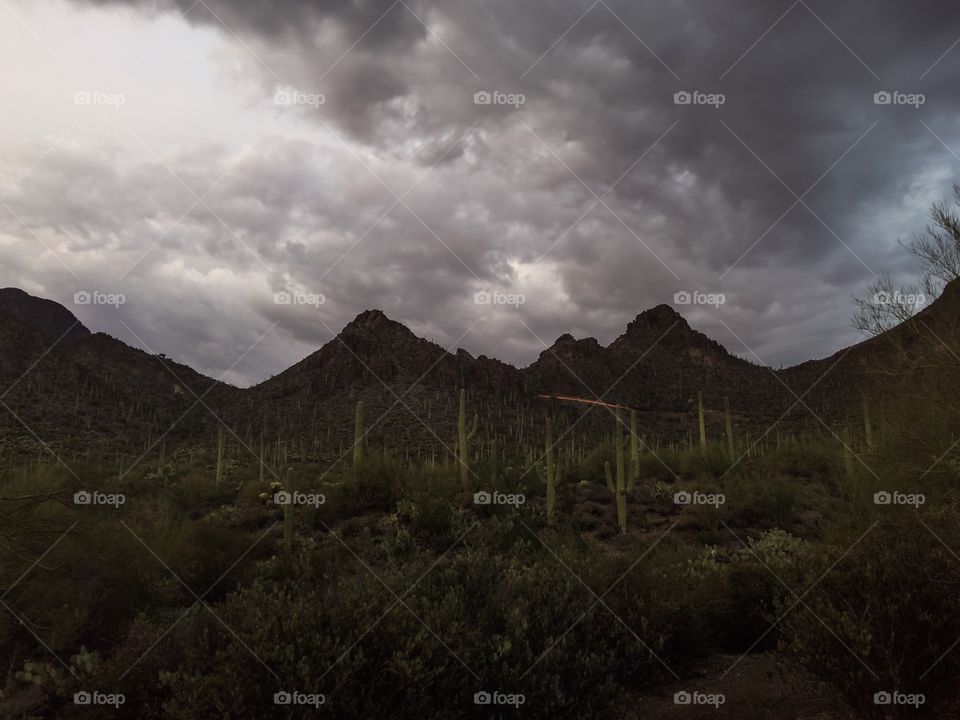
634, 448
728, 424
358, 436
463, 440
847, 452
553, 473
621, 486
703, 427
220, 445
288, 512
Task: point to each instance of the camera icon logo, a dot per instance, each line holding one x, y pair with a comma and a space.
682, 498
82, 98
82, 498
282, 298
482, 98
82, 698
682, 98
882, 698
282, 97
482, 498
482, 698
882, 98
882, 498
682, 698
682, 298
82, 298
282, 698
282, 498
482, 298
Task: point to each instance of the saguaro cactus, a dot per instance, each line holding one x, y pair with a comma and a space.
220, 445
728, 424
358, 436
261, 457
288, 512
621, 486
552, 475
847, 452
463, 440
634, 448
703, 427
867, 425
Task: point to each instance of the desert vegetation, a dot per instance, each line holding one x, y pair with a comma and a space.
493, 549
576, 579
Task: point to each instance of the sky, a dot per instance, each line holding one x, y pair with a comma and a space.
230, 182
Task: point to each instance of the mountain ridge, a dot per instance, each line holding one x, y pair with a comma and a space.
95, 386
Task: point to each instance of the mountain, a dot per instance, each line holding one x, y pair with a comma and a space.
71, 388
52, 320
62, 386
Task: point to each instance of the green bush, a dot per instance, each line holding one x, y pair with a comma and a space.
514, 622
882, 617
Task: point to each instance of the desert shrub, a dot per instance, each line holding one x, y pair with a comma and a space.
663, 465
433, 521
882, 617
814, 460
703, 464
376, 485
755, 500
480, 621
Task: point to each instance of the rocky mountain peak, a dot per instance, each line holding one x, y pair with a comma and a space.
49, 318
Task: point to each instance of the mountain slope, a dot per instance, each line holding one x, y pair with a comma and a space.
70, 387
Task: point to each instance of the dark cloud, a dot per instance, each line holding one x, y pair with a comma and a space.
506, 197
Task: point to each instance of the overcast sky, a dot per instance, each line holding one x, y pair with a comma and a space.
203, 159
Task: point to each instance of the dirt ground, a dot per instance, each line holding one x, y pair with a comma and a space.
752, 690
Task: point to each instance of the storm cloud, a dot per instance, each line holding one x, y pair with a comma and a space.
417, 153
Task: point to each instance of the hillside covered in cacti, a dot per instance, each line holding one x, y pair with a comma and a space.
476, 532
